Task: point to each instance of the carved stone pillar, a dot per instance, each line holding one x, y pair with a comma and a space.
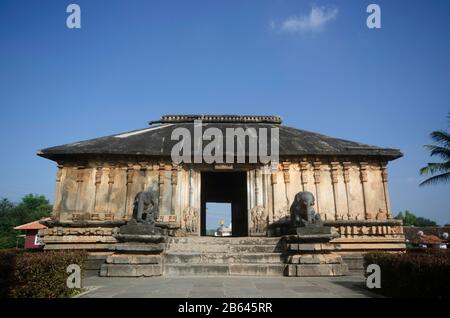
259, 195
111, 176
334, 181
57, 204
384, 178
287, 180
304, 171
144, 168
190, 221
346, 166
129, 200
97, 182
174, 181
273, 182
79, 200
317, 165
161, 183
267, 197
363, 174
191, 187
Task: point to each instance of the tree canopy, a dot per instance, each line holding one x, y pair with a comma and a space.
410, 219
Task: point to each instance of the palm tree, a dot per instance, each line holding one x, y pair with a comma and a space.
441, 148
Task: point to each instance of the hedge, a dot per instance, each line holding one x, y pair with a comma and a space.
37, 274
413, 274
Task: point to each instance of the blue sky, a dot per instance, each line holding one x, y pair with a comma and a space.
216, 212
133, 61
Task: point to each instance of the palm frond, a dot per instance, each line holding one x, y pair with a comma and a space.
441, 137
443, 152
444, 177
434, 167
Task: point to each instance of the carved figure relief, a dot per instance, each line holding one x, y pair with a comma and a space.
258, 219
190, 218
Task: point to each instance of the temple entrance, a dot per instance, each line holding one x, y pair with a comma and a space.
226, 187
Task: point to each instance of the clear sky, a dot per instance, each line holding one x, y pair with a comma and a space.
322, 70
216, 212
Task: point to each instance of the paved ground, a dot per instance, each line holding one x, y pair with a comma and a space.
218, 287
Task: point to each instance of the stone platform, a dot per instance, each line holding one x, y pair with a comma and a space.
310, 253
135, 256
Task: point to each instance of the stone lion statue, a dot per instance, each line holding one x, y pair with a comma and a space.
302, 211
146, 207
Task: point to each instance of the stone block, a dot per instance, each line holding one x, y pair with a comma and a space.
196, 269
133, 259
131, 247
306, 270
290, 270
314, 259
310, 247
256, 269
133, 228
141, 238
319, 233
127, 270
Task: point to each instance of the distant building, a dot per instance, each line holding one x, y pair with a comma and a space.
31, 230
223, 231
427, 237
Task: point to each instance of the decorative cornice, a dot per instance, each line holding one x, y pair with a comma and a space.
218, 119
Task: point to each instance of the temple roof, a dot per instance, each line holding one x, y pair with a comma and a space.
156, 140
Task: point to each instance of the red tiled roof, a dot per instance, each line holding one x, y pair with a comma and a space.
35, 225
412, 233
426, 239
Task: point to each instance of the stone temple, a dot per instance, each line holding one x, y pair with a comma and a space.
98, 182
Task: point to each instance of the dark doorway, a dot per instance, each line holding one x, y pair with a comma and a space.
226, 187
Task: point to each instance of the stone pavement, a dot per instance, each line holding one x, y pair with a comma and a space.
226, 286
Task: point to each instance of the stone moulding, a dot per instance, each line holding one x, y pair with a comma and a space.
390, 222
83, 223
310, 253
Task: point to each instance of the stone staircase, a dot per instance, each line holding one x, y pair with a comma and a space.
218, 256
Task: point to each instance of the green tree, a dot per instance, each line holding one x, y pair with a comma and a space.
441, 149
7, 233
410, 219
31, 208
420, 221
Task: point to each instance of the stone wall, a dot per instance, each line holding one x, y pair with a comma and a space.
343, 190
98, 196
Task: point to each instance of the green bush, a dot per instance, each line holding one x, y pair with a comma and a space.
37, 274
413, 274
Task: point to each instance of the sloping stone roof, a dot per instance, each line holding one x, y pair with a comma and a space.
156, 140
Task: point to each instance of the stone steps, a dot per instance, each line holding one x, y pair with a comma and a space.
237, 269
223, 248
222, 258
218, 256
225, 240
